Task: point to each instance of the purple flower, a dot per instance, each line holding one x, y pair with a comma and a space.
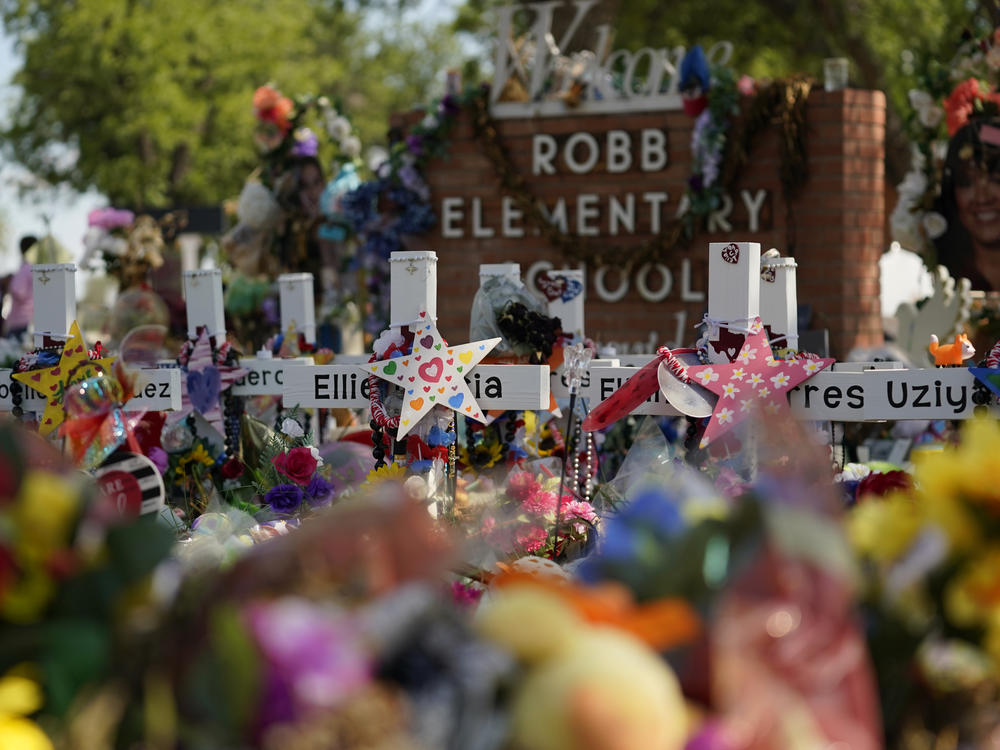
312, 651
415, 144
109, 218
159, 458
319, 492
449, 105
306, 143
284, 498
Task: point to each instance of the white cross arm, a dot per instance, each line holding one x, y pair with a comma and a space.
504, 387
155, 390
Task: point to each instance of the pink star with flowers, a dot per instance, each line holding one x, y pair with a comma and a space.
756, 379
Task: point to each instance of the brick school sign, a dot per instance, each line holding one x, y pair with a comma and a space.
610, 175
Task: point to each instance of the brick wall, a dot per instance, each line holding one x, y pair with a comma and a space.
837, 220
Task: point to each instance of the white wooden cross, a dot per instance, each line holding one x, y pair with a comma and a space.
54, 302
847, 392
413, 289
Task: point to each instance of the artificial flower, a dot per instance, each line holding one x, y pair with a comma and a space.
19, 697
531, 538
284, 498
387, 473
197, 456
291, 428
318, 491
232, 468
928, 112
879, 483
484, 455
298, 464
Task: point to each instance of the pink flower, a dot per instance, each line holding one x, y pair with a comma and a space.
109, 218
531, 538
465, 595
523, 485
540, 503
746, 85
579, 509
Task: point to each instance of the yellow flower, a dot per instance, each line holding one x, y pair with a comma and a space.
44, 513
387, 473
24, 601
20, 696
883, 529
973, 596
197, 455
482, 456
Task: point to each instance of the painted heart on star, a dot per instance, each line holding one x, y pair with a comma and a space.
456, 401
427, 342
466, 357
431, 371
416, 403
390, 369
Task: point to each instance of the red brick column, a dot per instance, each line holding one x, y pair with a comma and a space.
837, 219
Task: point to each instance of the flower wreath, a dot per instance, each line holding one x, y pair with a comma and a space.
947, 97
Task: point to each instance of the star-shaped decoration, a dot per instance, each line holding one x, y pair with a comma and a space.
74, 365
203, 382
433, 374
754, 379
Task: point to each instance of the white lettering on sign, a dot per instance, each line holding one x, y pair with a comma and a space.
346, 386
616, 81
590, 214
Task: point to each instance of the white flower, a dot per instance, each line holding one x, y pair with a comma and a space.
928, 112
746, 405
338, 127
738, 374
729, 391
812, 365
756, 379
292, 428
429, 122
746, 355
707, 376
764, 392
934, 224
257, 207
780, 380
315, 454
376, 157
351, 146
725, 415
993, 58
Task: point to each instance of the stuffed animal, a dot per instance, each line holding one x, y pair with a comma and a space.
951, 354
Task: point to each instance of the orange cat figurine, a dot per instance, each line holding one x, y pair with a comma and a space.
951, 354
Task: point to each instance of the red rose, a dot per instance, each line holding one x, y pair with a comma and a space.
232, 468
298, 465
882, 483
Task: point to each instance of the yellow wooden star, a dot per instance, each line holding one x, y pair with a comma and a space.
74, 365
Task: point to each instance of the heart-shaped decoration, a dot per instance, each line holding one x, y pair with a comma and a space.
203, 389
551, 286
431, 371
427, 341
447, 378
423, 314
427, 389
390, 369
404, 422
437, 347
466, 357
731, 253
409, 392
406, 362
78, 350
399, 378
55, 371
450, 361
468, 408
459, 368
411, 379
441, 389
416, 403
416, 358
37, 377
573, 289
456, 401
432, 398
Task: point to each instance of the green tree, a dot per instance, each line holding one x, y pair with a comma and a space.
149, 100
776, 38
